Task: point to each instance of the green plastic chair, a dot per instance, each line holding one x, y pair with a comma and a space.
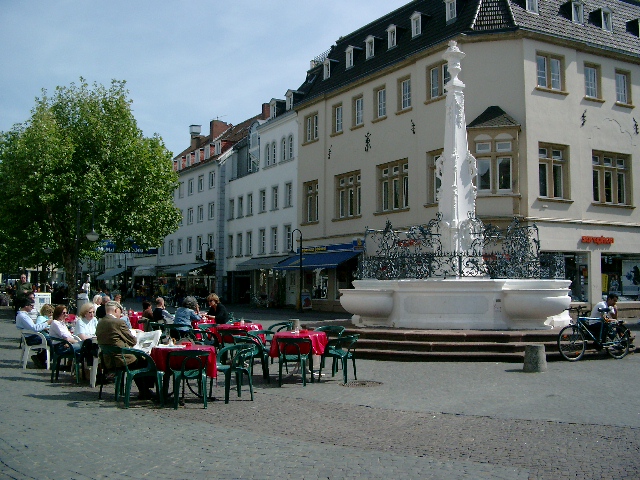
343, 349
331, 330
228, 336
181, 375
233, 360
263, 351
68, 353
209, 337
278, 327
290, 350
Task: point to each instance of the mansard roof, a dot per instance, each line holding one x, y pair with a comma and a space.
493, 116
474, 17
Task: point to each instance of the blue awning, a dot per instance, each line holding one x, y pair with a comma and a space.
312, 261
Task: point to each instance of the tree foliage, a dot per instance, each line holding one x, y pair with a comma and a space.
81, 149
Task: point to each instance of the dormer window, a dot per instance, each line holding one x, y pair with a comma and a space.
607, 20
451, 10
370, 47
392, 38
218, 147
577, 11
532, 6
272, 109
326, 68
349, 57
289, 99
416, 24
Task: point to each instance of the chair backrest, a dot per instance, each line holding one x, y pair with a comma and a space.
228, 335
256, 335
156, 326
277, 327
140, 355
206, 326
186, 356
231, 351
43, 339
334, 330
292, 346
344, 343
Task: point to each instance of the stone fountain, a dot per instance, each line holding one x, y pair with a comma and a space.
441, 275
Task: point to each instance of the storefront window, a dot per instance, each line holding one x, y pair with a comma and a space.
576, 269
621, 275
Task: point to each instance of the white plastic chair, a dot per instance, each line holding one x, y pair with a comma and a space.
26, 349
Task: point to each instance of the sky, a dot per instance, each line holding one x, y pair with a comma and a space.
185, 61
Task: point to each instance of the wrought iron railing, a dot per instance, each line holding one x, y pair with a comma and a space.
491, 252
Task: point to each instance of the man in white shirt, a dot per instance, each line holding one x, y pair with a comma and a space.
24, 323
609, 303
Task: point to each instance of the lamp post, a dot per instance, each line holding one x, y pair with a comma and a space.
92, 236
47, 251
299, 300
126, 286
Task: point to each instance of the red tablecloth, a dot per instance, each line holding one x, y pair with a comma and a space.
319, 340
161, 354
220, 329
134, 318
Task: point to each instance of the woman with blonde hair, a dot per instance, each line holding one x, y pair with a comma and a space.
86, 321
46, 313
217, 309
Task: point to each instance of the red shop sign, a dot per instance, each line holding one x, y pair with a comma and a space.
598, 240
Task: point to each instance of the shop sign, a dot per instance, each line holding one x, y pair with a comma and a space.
597, 240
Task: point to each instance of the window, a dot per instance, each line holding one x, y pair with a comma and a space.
171, 247
200, 183
283, 155
553, 171
267, 155
451, 9
249, 204
549, 71
311, 201
290, 147
199, 244
288, 194
229, 245
239, 245
179, 246
181, 217
249, 246
212, 210
607, 20
592, 81
273, 152
326, 69
240, 207
337, 118
437, 79
532, 6
405, 94
210, 240
349, 57
274, 239
262, 239
263, 201
200, 213
348, 195
274, 198
393, 182
623, 82
494, 167
611, 178
577, 11
433, 180
369, 47
189, 216
212, 179
311, 127
232, 209
189, 245
358, 104
381, 102
190, 187
416, 24
162, 250
391, 36
181, 190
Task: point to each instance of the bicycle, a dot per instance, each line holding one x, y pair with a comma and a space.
612, 335
259, 301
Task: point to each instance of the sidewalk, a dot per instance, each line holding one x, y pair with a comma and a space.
414, 420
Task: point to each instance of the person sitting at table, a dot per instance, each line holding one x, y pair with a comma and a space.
46, 313
24, 323
97, 301
188, 312
101, 311
217, 309
112, 331
86, 322
147, 316
58, 329
160, 313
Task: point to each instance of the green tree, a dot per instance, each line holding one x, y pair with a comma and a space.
82, 151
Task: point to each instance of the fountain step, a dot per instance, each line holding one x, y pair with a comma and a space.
428, 346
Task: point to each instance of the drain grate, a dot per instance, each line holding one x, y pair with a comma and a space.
362, 383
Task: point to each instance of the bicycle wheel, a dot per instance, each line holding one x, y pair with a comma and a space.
571, 343
620, 347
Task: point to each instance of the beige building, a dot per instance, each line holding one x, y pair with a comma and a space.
551, 121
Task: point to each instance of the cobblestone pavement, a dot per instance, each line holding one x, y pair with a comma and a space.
426, 420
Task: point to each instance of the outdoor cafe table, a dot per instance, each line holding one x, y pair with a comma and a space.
134, 318
318, 339
220, 329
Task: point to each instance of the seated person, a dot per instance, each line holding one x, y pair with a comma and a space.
24, 323
58, 329
147, 315
100, 312
46, 313
160, 313
609, 303
217, 309
86, 322
188, 312
112, 331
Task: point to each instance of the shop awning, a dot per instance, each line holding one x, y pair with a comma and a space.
144, 271
183, 269
312, 261
110, 273
260, 263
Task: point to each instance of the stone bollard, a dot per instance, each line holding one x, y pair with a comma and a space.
535, 358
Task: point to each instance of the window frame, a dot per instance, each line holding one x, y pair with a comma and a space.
190, 216
619, 166
288, 194
200, 214
274, 198
380, 103
311, 127
249, 204
404, 94
338, 118
263, 201
393, 191
551, 84
416, 24
552, 165
592, 86
392, 37
358, 111
311, 209
437, 91
623, 96
348, 195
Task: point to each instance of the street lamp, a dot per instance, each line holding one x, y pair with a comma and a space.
92, 236
299, 300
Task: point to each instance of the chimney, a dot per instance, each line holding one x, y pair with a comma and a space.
266, 111
217, 128
194, 131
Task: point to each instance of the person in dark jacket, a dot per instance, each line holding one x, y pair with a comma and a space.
217, 309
